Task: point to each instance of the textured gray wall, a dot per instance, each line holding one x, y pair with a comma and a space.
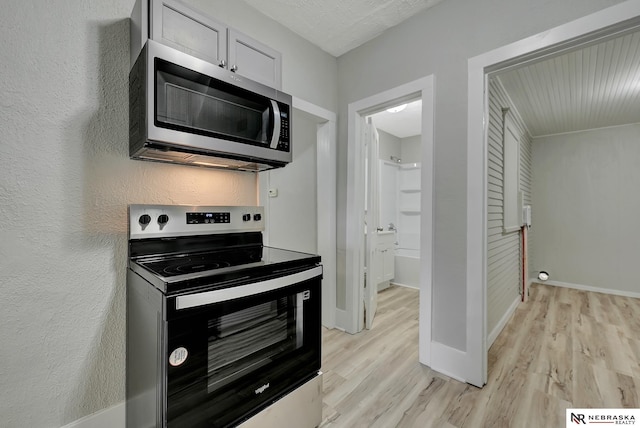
65, 183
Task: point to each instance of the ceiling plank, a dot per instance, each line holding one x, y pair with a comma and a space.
592, 87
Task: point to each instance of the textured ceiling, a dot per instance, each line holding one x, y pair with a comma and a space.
593, 87
337, 26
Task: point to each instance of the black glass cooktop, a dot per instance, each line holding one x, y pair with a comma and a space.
202, 262
214, 262
185, 264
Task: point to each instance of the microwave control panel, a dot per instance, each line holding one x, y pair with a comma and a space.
283, 144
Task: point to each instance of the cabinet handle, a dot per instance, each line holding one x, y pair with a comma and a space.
222, 63
234, 68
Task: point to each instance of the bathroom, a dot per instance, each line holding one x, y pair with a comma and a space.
399, 130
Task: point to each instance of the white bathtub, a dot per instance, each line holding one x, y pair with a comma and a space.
407, 267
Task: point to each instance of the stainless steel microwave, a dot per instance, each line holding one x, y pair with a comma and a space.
185, 110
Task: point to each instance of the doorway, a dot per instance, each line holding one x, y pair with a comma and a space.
392, 199
572, 160
399, 162
353, 320
603, 24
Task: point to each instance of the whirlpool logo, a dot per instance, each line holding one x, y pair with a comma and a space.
261, 389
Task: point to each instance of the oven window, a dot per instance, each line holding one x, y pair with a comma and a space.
243, 341
228, 360
195, 103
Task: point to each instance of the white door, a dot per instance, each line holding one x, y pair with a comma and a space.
374, 260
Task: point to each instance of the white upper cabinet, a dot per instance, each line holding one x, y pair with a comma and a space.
254, 60
179, 26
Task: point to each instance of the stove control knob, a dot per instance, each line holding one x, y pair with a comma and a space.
163, 219
257, 217
144, 219
246, 217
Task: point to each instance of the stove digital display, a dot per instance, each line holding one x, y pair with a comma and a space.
205, 218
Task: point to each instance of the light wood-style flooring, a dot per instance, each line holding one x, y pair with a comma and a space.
564, 348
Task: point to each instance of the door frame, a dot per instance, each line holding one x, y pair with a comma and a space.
326, 202
354, 277
372, 221
591, 28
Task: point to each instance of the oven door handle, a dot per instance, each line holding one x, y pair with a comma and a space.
225, 294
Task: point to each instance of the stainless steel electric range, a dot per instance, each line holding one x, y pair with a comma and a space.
221, 330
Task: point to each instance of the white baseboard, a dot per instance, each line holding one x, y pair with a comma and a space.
589, 288
111, 417
503, 321
405, 285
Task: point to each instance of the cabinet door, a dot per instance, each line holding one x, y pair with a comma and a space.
388, 262
254, 60
181, 27
387, 257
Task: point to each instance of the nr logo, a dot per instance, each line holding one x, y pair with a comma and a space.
577, 418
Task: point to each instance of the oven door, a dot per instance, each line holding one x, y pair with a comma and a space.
232, 352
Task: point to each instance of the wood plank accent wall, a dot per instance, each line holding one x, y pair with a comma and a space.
503, 253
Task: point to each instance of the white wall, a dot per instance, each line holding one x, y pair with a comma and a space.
291, 217
411, 149
408, 149
439, 41
65, 182
585, 214
389, 145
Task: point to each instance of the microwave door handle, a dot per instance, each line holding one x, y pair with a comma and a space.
277, 124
